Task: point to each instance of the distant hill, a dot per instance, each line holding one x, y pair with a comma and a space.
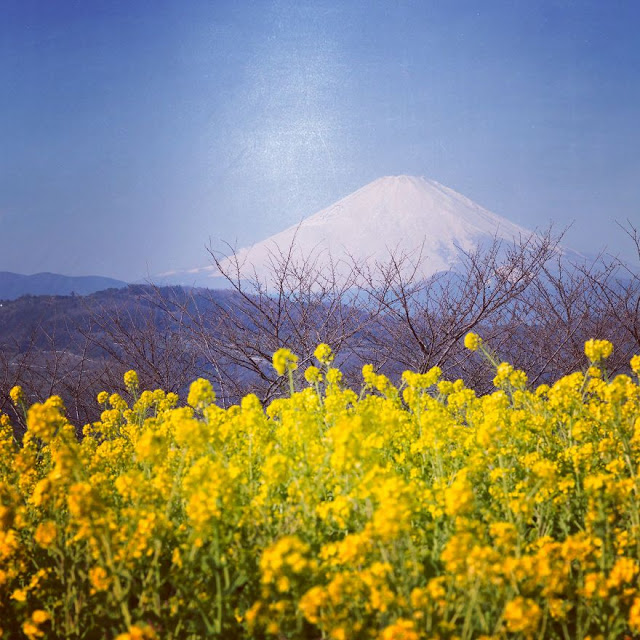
15, 285
39, 319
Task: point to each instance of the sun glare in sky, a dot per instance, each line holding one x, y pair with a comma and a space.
135, 133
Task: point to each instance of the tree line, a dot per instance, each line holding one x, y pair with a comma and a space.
531, 301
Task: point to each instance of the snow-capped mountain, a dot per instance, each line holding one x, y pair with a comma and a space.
395, 214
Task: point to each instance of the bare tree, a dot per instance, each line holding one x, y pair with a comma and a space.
527, 299
54, 360
425, 320
617, 290
295, 303
141, 336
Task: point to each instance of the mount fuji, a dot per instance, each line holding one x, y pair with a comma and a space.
401, 215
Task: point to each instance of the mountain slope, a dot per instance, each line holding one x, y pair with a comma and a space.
394, 214
15, 285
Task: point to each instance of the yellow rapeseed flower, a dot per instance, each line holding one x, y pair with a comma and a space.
44, 420
131, 379
472, 341
400, 630
459, 496
284, 360
201, 394
17, 395
324, 354
99, 579
19, 595
45, 534
634, 616
597, 350
137, 632
39, 616
522, 616
312, 375
311, 603
503, 373
117, 402
368, 374
31, 630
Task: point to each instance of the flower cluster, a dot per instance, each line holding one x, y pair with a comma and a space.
324, 354
597, 350
413, 511
284, 360
472, 341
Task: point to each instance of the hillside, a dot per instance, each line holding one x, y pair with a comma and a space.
15, 285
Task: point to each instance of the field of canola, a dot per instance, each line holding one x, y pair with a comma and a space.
394, 513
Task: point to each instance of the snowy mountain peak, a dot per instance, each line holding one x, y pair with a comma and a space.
391, 215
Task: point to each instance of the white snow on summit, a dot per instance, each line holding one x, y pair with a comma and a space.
392, 214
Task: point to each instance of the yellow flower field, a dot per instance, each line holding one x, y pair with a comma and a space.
389, 512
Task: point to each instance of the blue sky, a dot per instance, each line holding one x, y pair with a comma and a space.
134, 132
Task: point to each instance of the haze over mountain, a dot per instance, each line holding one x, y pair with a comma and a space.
16, 285
393, 214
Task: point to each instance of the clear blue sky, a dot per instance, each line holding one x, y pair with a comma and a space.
131, 132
